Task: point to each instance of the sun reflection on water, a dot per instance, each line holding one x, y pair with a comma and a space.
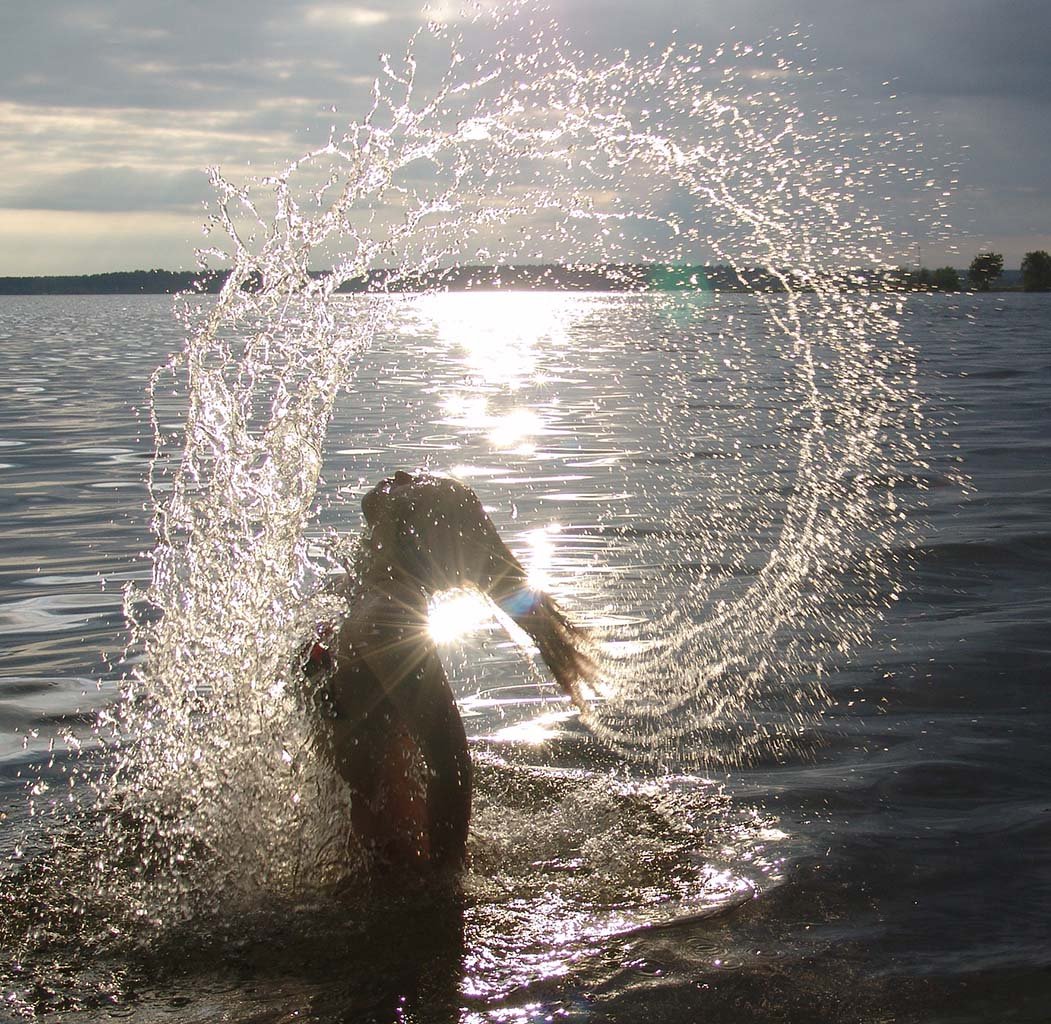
503, 338
499, 332
516, 428
535, 731
541, 556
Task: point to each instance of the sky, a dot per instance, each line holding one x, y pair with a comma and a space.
111, 110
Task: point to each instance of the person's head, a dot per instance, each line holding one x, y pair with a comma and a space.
433, 533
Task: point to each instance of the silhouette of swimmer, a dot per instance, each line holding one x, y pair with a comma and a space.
390, 726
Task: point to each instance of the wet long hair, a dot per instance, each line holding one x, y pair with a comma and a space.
433, 533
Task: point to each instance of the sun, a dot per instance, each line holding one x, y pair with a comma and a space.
454, 614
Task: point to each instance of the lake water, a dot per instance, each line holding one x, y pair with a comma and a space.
892, 863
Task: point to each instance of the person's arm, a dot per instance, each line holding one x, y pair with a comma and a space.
562, 644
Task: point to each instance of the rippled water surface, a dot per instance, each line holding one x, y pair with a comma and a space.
891, 864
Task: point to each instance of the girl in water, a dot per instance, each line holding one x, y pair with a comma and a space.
390, 726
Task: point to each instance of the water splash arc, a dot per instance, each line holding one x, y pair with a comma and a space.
541, 144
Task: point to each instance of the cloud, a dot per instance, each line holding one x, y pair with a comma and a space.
110, 189
337, 16
113, 105
106, 53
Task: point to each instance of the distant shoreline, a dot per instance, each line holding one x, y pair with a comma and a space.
641, 277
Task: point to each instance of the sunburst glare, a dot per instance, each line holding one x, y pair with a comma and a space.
455, 614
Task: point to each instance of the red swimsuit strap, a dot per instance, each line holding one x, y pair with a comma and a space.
317, 652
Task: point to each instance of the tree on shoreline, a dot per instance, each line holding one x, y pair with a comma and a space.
946, 279
1036, 271
985, 268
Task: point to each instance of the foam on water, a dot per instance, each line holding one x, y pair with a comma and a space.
215, 796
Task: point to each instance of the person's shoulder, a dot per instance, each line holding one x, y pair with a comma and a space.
378, 619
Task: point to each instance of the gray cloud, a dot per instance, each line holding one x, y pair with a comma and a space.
104, 53
111, 189
940, 47
99, 94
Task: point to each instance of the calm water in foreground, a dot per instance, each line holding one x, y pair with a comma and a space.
898, 868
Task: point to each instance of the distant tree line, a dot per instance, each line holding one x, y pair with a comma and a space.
123, 282
549, 276
987, 268
985, 271
944, 279
983, 275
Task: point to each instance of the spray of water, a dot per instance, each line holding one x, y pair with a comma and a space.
525, 155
